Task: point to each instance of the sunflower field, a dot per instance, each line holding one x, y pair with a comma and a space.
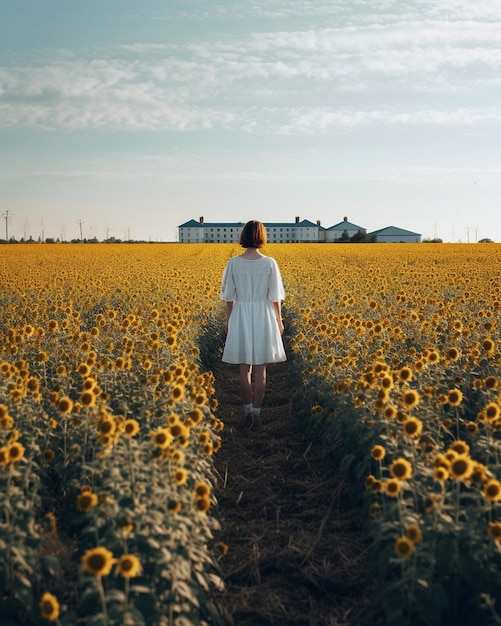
109, 422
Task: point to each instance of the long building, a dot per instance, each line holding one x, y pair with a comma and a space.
298, 231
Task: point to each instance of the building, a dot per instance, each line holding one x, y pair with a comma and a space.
343, 230
298, 231
392, 234
209, 232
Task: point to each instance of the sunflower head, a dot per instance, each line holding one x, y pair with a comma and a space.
49, 607
401, 469
128, 566
492, 490
98, 561
392, 487
461, 467
413, 532
378, 452
494, 531
404, 547
412, 427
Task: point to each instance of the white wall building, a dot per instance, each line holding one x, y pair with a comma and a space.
343, 229
393, 234
299, 231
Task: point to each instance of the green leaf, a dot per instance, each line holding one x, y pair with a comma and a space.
185, 591
140, 589
115, 595
22, 591
50, 566
89, 599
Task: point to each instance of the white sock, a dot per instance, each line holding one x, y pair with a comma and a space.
255, 410
248, 408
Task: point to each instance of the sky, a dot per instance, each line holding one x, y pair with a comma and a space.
126, 119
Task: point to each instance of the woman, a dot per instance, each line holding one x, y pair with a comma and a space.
253, 290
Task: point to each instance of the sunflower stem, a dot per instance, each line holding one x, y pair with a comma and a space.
102, 595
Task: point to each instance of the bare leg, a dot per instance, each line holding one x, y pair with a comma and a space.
259, 384
245, 382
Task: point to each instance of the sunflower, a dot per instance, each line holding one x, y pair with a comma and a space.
15, 452
200, 398
86, 501
489, 346
49, 455
370, 479
174, 506
471, 428
6, 422
196, 415
83, 369
162, 438
412, 427
98, 561
461, 467
460, 446
126, 525
131, 427
128, 566
401, 469
492, 490
387, 382
392, 487
413, 532
404, 547
177, 393
180, 476
492, 411
202, 504
378, 452
49, 607
410, 398
177, 456
202, 490
494, 531
440, 473
178, 429
491, 382
88, 399
454, 397
452, 354
106, 426
433, 356
390, 412
64, 405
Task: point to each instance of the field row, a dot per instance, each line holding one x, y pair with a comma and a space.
108, 421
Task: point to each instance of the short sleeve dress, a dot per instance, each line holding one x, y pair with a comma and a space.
253, 333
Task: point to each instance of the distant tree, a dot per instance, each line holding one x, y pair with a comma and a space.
434, 240
485, 240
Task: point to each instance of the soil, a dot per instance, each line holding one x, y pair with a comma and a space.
295, 556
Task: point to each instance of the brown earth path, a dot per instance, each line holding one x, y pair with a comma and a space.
295, 555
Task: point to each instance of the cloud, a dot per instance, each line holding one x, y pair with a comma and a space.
384, 65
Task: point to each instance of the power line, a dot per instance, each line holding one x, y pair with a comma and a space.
6, 216
80, 222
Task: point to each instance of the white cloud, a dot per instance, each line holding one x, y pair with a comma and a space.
401, 57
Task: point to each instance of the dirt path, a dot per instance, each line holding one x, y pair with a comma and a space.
295, 556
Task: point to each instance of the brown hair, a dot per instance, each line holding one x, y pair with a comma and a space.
253, 235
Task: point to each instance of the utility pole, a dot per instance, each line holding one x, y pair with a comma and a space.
80, 222
6, 217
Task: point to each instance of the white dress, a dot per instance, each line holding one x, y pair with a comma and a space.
253, 334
